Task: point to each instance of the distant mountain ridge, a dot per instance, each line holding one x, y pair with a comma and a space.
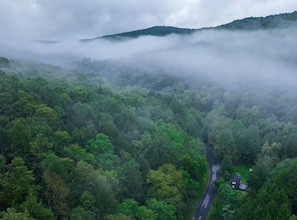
268, 22
252, 23
154, 31
159, 31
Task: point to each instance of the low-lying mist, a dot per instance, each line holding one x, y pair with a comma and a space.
263, 57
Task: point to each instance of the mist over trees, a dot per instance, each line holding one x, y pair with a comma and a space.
120, 133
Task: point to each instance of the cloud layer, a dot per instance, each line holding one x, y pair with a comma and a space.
264, 57
68, 19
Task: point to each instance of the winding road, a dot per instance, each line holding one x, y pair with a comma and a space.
206, 203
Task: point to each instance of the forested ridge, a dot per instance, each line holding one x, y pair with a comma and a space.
253, 23
104, 140
75, 147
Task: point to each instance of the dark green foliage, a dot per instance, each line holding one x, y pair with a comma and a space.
226, 167
272, 21
129, 146
153, 31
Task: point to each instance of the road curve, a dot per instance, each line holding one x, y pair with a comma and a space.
209, 195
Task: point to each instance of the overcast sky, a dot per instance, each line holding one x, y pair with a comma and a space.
73, 19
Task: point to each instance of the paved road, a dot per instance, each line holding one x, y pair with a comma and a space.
205, 204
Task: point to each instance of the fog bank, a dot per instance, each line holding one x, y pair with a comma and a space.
262, 56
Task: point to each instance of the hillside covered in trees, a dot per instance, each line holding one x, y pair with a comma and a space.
81, 148
124, 138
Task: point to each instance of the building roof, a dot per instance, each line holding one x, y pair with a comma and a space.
235, 178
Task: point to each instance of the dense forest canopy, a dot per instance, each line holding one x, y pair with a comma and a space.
124, 137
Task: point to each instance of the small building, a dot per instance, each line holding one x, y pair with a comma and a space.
235, 181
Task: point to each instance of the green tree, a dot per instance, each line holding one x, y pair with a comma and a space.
167, 184
46, 113
128, 207
25, 106
16, 183
252, 135
99, 186
225, 145
56, 193
268, 204
64, 167
79, 213
117, 217
36, 209
13, 214
228, 197
77, 153
226, 167
87, 200
248, 116
130, 180
145, 213
103, 150
163, 210
20, 136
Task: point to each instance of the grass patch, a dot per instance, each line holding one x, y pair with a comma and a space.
243, 170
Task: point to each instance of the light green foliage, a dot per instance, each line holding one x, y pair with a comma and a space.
145, 213
13, 214
196, 166
128, 207
118, 217
101, 145
46, 113
16, 183
167, 184
87, 200
36, 209
103, 151
162, 209
171, 134
76, 152
80, 93
25, 105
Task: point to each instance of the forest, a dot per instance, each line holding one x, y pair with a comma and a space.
105, 140
73, 146
116, 129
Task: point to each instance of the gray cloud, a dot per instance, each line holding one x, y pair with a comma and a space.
221, 55
72, 19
